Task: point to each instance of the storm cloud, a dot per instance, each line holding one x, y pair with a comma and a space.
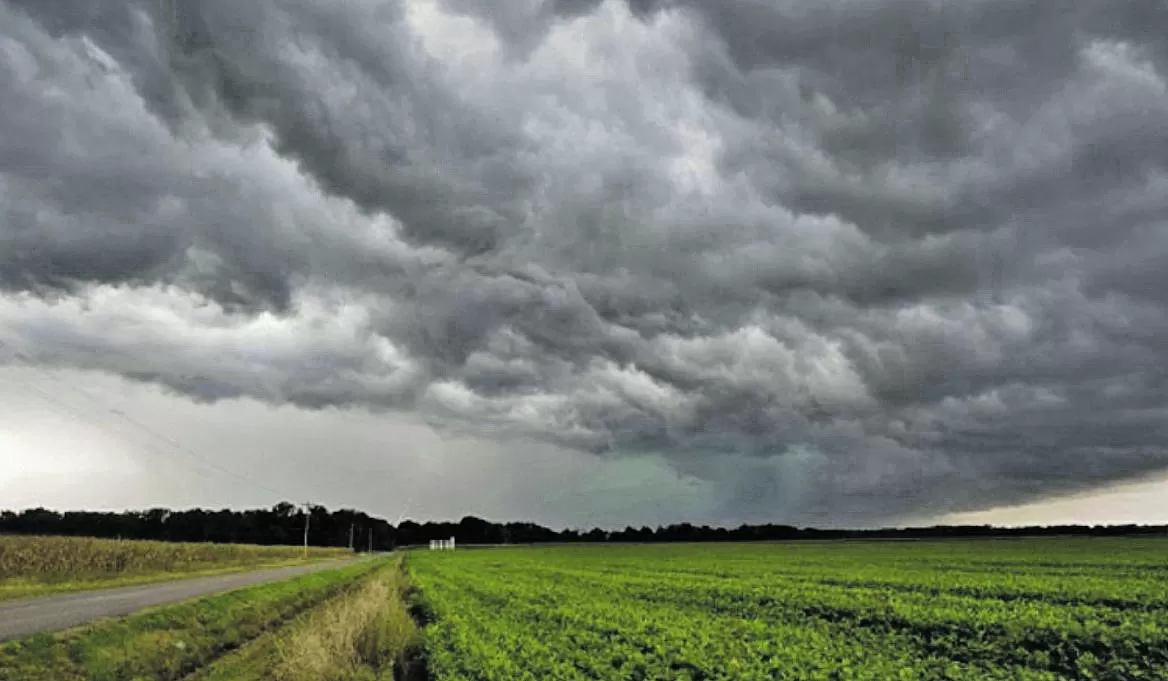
844, 260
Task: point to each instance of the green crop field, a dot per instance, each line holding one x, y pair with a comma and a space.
1020, 609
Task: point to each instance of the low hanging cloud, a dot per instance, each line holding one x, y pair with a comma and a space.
850, 260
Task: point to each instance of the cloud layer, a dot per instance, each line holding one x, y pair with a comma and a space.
849, 260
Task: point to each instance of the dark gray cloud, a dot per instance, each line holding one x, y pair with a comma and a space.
850, 260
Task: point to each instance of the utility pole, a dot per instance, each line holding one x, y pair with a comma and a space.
352, 526
307, 516
371, 540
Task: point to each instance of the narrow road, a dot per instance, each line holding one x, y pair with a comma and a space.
36, 615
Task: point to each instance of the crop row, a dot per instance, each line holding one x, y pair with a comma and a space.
69, 558
660, 613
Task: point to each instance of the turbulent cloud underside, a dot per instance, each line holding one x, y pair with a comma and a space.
845, 259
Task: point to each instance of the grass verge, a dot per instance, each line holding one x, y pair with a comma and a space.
367, 634
170, 642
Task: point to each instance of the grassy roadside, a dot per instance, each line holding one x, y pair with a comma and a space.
365, 635
39, 566
171, 642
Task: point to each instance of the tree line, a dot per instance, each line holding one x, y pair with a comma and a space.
284, 523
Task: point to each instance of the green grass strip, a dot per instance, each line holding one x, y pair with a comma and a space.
363, 634
171, 642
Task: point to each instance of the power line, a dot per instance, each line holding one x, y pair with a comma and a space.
58, 406
71, 412
190, 457
183, 450
104, 405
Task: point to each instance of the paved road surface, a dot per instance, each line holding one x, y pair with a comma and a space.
32, 616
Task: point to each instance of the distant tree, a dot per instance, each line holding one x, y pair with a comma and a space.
284, 524
472, 530
595, 535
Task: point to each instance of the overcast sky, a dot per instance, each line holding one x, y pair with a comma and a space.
851, 262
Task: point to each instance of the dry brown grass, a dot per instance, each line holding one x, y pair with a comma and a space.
49, 559
365, 635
